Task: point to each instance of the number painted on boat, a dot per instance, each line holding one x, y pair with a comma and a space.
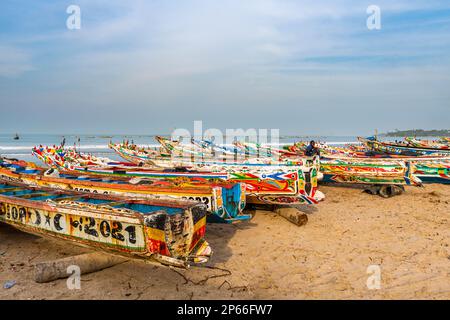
90, 190
114, 233
204, 200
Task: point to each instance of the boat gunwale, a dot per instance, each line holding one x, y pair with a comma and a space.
178, 204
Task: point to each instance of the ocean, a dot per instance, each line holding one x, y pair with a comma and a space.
98, 144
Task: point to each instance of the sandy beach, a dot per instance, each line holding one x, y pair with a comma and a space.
407, 236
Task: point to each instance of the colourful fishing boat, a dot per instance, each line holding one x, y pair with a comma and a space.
207, 151
367, 172
424, 168
264, 184
433, 171
270, 181
166, 232
445, 140
427, 143
202, 161
259, 150
402, 148
225, 201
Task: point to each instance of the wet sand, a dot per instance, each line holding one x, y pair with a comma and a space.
407, 236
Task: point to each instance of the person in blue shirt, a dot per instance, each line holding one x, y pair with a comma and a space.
312, 150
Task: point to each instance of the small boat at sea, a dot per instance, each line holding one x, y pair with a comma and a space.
16, 137
165, 232
225, 201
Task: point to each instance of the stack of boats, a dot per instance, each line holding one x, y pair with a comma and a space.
155, 204
412, 162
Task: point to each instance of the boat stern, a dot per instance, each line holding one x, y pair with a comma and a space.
230, 203
177, 238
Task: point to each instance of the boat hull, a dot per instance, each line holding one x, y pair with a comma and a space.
225, 201
404, 150
366, 172
173, 238
271, 184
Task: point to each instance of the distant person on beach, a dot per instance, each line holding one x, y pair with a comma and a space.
63, 143
312, 150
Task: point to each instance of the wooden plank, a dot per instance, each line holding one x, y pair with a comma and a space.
4, 190
33, 195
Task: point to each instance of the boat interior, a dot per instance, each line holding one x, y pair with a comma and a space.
42, 195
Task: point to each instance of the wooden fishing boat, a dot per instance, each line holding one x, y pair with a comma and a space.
264, 184
402, 148
207, 151
427, 169
259, 150
201, 161
445, 140
427, 143
166, 232
225, 201
366, 172
267, 180
201, 150
433, 171
299, 149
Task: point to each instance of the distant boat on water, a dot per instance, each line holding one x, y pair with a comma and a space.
16, 137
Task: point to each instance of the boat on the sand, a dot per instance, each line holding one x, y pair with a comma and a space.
270, 184
225, 201
166, 232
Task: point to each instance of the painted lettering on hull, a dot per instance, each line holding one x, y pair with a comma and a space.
105, 231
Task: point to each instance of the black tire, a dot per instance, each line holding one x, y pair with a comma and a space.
388, 191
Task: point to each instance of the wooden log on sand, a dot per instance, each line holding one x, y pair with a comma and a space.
292, 215
89, 262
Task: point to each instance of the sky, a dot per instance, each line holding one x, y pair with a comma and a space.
146, 67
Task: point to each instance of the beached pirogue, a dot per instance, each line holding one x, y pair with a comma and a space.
225, 201
167, 232
407, 171
367, 172
385, 178
411, 147
358, 164
272, 184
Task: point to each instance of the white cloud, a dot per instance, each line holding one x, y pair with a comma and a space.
14, 61
249, 59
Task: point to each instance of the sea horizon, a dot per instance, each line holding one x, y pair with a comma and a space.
97, 144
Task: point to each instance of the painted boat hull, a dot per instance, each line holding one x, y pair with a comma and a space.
225, 201
167, 233
366, 172
399, 149
423, 169
264, 184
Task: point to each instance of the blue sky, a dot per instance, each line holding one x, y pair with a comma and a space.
304, 67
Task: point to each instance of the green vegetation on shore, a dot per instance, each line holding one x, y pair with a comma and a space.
417, 133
